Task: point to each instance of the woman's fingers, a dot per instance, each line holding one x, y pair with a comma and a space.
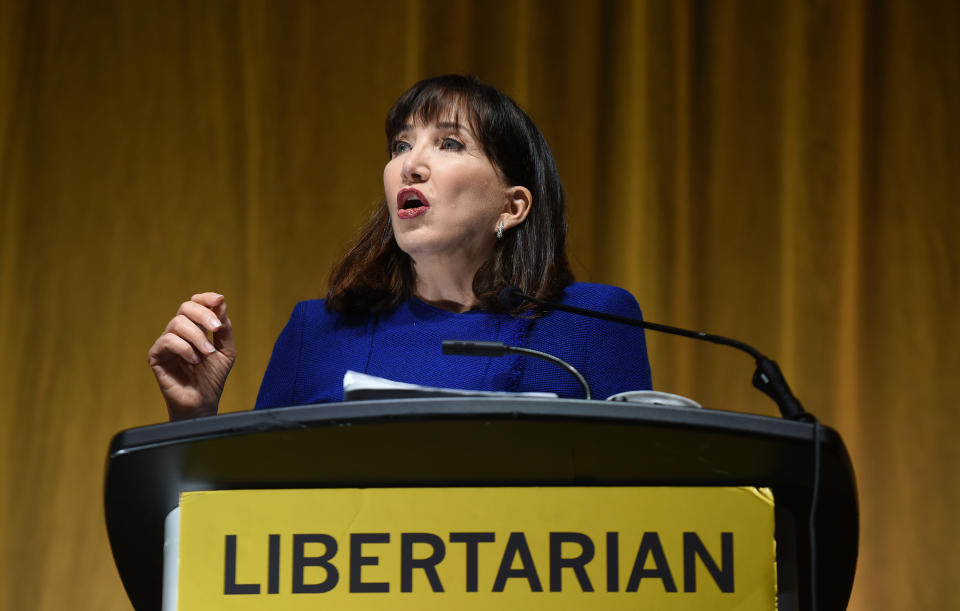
192, 332
202, 315
223, 337
209, 299
194, 391
192, 322
168, 346
186, 333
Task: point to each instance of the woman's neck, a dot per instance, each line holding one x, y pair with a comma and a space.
446, 286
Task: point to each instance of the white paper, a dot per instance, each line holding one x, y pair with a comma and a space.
356, 382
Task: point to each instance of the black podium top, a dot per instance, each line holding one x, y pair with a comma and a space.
481, 442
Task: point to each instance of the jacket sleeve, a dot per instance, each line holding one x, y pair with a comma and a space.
617, 353
279, 382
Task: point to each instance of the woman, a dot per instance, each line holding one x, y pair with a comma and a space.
473, 203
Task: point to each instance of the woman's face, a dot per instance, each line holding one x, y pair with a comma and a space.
445, 196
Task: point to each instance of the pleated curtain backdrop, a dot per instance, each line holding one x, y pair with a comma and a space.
781, 172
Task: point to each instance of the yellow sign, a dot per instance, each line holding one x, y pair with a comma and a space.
478, 548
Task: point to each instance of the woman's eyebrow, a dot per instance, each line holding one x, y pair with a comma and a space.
451, 125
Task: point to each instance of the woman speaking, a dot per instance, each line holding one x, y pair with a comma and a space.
473, 204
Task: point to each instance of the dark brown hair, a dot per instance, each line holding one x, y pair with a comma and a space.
375, 275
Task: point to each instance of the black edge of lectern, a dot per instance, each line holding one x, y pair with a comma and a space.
483, 441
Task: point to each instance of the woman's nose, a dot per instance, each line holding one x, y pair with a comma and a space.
415, 167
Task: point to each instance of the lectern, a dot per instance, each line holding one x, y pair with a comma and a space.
552, 450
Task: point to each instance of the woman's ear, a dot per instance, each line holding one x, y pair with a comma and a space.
517, 206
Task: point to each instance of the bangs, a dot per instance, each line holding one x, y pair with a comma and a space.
429, 105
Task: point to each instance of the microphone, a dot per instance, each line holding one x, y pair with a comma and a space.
767, 377
478, 348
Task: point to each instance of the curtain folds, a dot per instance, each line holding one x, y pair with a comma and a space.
784, 173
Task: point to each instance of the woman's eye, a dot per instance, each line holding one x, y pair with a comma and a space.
451, 144
399, 146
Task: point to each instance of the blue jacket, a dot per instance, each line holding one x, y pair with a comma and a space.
317, 347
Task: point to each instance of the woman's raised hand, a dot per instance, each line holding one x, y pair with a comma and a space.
190, 370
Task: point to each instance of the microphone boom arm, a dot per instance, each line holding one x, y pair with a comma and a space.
767, 377
480, 348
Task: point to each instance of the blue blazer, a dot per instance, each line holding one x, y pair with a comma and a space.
317, 347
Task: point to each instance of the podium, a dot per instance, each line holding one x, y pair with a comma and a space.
489, 442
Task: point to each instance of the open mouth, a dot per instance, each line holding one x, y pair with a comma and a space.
411, 203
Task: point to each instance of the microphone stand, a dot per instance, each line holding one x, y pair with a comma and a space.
767, 377
480, 348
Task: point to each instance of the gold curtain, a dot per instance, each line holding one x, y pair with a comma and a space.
781, 172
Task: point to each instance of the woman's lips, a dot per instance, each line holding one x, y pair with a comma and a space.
409, 213
411, 203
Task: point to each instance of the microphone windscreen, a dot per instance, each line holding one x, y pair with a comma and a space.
474, 348
511, 297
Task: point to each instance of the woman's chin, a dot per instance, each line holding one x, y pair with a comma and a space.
426, 248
